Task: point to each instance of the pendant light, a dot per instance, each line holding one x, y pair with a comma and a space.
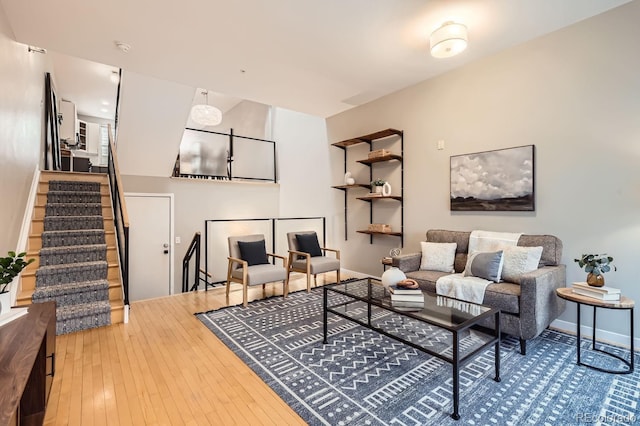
206, 114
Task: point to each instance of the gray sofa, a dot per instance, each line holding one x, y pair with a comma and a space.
526, 308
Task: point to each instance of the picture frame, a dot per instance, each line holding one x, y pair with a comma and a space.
497, 180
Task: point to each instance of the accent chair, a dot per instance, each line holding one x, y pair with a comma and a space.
249, 265
306, 256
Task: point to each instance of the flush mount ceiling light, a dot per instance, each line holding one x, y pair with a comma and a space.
448, 40
206, 114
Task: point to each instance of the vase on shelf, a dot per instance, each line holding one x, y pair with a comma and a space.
377, 189
595, 280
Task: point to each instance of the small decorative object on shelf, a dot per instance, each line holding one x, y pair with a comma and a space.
376, 185
595, 265
379, 227
348, 180
379, 153
10, 267
395, 252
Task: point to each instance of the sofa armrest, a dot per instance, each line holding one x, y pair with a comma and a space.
407, 262
539, 304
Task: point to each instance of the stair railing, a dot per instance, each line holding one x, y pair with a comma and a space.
194, 248
120, 217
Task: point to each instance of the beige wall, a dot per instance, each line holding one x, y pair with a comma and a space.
575, 95
21, 122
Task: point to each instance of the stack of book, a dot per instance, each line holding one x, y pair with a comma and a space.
406, 298
601, 293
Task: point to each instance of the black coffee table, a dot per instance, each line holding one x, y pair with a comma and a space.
366, 296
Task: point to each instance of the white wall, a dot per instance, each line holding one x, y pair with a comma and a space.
21, 123
200, 200
574, 94
152, 117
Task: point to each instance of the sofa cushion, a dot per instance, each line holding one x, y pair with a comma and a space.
438, 256
504, 296
486, 265
551, 248
518, 261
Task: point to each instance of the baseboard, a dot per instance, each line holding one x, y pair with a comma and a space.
601, 335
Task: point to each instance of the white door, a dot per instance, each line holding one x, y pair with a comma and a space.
150, 245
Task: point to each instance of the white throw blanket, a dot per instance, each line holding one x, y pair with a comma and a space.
492, 241
457, 286
472, 289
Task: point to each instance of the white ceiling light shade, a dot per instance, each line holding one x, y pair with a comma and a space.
448, 40
206, 114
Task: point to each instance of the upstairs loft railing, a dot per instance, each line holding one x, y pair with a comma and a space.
120, 217
205, 154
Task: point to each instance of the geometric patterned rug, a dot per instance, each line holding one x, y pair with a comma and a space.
364, 378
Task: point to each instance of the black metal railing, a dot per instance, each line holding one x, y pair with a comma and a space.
194, 249
226, 156
120, 217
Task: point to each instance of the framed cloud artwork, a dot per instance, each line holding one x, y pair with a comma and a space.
500, 180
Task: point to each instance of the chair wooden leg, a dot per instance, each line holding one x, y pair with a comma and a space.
308, 279
245, 295
228, 287
315, 280
285, 287
338, 275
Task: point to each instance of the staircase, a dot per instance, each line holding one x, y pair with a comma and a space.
73, 241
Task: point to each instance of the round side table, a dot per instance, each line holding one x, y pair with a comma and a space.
623, 303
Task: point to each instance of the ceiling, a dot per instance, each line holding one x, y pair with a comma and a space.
319, 57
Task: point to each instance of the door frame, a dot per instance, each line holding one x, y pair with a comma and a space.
170, 196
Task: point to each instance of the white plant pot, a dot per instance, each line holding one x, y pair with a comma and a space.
5, 302
378, 189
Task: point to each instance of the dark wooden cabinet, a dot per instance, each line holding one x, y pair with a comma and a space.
27, 365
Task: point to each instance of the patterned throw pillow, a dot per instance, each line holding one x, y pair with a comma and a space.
518, 261
438, 256
486, 265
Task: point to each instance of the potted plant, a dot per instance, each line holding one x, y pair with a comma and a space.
10, 267
377, 185
595, 265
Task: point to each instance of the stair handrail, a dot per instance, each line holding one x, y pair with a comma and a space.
121, 217
194, 248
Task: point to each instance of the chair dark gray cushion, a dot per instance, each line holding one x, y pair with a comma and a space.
308, 243
253, 252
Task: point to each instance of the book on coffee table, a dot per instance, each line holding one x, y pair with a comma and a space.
394, 289
418, 297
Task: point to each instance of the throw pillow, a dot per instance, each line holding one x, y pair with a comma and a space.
518, 261
487, 265
438, 256
308, 243
253, 252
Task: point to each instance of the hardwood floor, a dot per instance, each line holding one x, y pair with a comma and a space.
164, 367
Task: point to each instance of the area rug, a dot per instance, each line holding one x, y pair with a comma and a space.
361, 377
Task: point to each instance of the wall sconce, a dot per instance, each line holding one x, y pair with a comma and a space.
448, 40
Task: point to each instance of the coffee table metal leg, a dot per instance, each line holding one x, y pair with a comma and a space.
593, 335
324, 314
456, 377
497, 347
